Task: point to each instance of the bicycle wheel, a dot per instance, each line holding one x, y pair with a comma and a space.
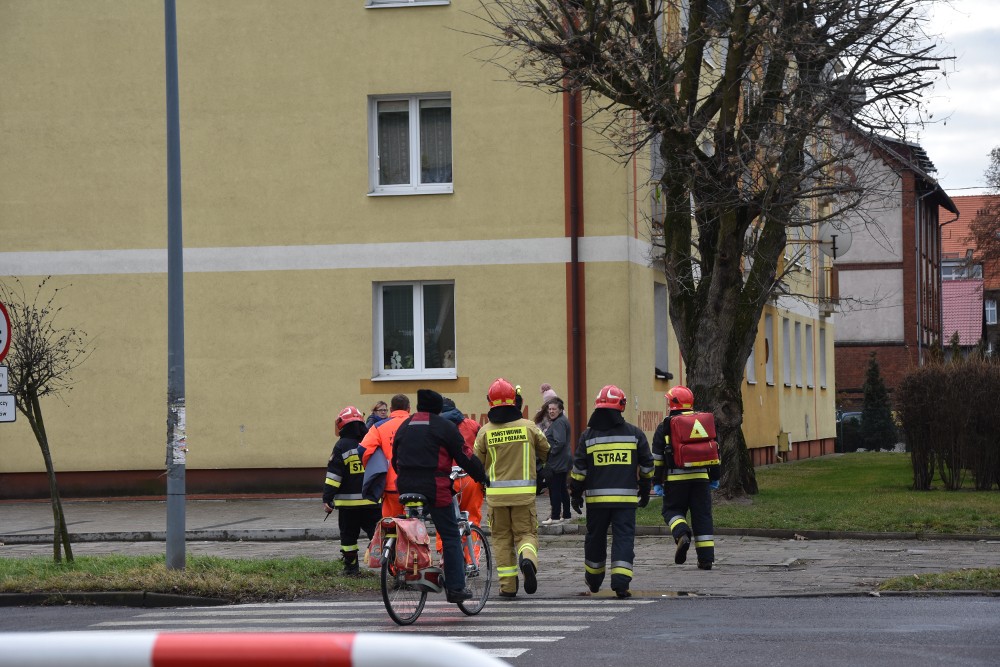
403, 602
479, 570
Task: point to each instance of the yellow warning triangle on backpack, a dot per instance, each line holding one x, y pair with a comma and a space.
698, 431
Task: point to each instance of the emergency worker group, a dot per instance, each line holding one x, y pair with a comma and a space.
614, 471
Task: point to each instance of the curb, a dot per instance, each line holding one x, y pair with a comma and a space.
110, 598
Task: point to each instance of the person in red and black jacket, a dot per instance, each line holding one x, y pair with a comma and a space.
422, 453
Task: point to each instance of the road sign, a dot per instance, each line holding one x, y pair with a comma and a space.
4, 331
3, 380
8, 409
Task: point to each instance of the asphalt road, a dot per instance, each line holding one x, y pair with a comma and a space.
903, 631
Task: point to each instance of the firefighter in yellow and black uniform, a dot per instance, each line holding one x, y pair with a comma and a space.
509, 447
685, 489
342, 490
612, 470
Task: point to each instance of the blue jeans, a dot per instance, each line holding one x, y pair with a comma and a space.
446, 524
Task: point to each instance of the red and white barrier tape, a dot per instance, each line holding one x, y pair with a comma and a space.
153, 649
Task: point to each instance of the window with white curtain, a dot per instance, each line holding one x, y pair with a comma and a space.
991, 311
414, 333
410, 144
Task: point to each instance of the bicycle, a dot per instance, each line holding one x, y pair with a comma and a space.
405, 592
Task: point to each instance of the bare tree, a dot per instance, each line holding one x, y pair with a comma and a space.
41, 361
984, 229
760, 114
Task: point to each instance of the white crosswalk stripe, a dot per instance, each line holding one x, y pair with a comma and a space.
503, 629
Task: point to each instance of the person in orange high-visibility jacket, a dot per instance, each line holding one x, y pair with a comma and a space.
509, 447
381, 436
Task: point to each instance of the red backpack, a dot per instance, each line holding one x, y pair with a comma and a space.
692, 437
412, 545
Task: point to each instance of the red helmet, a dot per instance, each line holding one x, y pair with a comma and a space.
610, 396
501, 393
680, 398
348, 415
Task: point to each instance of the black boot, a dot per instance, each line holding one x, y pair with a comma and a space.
683, 543
350, 562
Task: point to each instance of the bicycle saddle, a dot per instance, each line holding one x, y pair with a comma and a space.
411, 498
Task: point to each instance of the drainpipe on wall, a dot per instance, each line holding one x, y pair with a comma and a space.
573, 106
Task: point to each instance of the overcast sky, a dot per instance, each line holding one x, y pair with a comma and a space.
970, 96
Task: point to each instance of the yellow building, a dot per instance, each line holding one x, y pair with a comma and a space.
367, 209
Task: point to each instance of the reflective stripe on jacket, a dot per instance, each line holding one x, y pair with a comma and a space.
610, 462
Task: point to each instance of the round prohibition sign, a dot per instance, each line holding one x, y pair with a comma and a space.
4, 331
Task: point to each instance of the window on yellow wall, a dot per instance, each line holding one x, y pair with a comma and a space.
822, 357
751, 370
661, 333
414, 332
404, 3
786, 351
410, 144
769, 349
809, 356
798, 354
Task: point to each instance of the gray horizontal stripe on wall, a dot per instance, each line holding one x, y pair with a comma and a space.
345, 256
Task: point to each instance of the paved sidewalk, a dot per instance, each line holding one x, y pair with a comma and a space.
748, 564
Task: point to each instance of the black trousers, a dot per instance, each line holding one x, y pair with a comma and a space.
559, 495
621, 520
692, 496
352, 520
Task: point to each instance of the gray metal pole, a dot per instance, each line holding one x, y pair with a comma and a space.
176, 423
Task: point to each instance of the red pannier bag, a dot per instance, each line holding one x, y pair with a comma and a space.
692, 437
373, 555
413, 546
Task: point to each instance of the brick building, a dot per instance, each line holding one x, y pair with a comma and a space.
890, 280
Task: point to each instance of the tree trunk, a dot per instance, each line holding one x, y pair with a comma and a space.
60, 532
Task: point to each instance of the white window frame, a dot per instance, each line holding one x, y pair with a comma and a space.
414, 187
751, 369
418, 371
786, 351
798, 354
810, 357
822, 357
990, 308
378, 4
769, 350
661, 324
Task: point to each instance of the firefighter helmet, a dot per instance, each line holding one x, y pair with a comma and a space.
501, 393
610, 396
348, 415
680, 398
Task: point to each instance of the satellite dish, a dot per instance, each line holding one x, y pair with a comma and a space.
834, 238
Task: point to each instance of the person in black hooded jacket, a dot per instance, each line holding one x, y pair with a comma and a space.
613, 470
423, 450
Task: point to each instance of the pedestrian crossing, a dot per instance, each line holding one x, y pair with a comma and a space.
504, 629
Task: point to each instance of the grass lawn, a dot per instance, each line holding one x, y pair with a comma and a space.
867, 492
236, 580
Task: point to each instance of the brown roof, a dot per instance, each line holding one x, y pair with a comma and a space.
956, 237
